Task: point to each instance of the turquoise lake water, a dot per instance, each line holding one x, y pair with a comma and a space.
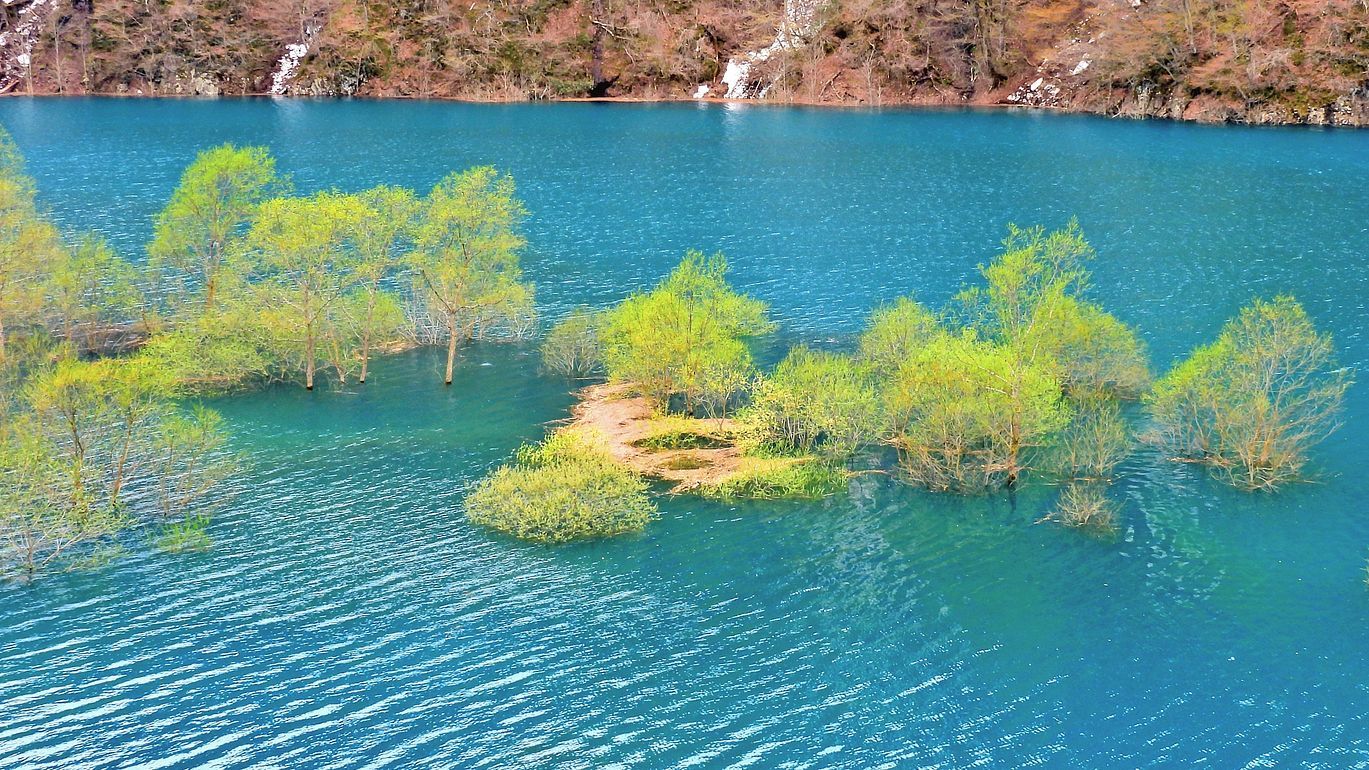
348, 616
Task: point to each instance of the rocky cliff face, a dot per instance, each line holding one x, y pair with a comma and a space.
1259, 61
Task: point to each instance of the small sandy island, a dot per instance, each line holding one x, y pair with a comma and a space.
688, 452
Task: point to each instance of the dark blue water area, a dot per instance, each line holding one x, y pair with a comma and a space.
348, 616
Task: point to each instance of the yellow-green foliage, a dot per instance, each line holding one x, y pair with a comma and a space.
687, 337
572, 347
1031, 302
229, 348
189, 534
93, 446
91, 287
566, 488
29, 245
815, 402
965, 412
1253, 403
1093, 352
198, 233
770, 478
466, 257
895, 332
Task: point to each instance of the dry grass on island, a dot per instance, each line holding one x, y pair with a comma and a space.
700, 455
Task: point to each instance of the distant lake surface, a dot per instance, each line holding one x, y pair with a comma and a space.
349, 617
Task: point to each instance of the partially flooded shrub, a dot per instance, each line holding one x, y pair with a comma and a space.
762, 478
1253, 404
1095, 442
572, 347
566, 488
1085, 505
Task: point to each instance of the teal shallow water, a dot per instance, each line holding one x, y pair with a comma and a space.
349, 617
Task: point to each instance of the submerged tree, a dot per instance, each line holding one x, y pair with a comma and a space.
29, 245
92, 291
677, 338
198, 233
87, 451
572, 347
966, 414
306, 269
40, 521
466, 256
1094, 443
1254, 403
385, 226
815, 402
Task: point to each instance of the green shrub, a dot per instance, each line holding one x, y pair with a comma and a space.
566, 488
572, 347
189, 534
685, 339
815, 402
1253, 404
772, 479
1085, 505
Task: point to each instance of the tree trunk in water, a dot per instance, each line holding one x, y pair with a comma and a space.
309, 360
2, 340
208, 294
451, 349
366, 336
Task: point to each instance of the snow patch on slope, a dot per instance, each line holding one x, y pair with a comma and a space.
290, 61
16, 43
793, 31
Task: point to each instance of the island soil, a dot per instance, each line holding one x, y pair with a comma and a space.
628, 424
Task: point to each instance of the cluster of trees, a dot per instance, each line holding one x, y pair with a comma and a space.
273, 284
100, 359
1018, 375
1302, 53
89, 445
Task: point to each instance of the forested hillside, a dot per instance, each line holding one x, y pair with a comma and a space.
1261, 61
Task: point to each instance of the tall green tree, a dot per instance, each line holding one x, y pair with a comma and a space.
380, 235
306, 265
466, 256
672, 340
198, 233
29, 244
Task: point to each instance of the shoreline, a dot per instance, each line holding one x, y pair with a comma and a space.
904, 106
